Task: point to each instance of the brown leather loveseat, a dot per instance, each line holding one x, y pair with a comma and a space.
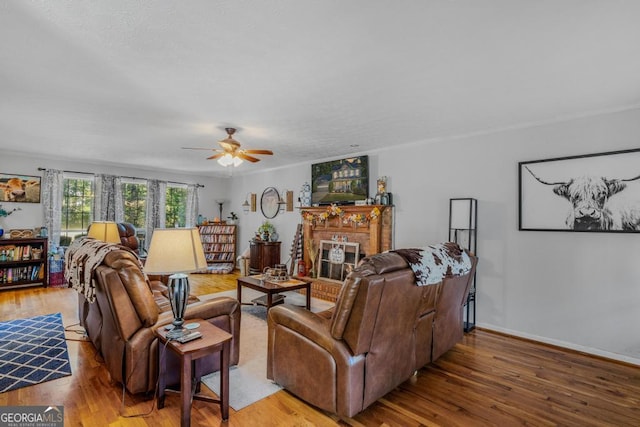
384, 327
128, 308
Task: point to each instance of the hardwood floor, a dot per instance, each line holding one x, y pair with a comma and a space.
488, 379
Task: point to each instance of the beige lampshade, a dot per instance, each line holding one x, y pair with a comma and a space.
175, 250
107, 231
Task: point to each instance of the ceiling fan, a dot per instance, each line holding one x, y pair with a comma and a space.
230, 152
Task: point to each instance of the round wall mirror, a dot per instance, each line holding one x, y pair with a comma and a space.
269, 202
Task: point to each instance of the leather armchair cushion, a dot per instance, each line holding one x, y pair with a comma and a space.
358, 331
128, 236
136, 286
344, 304
386, 262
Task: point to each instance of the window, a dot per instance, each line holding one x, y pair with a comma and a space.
78, 202
134, 196
176, 206
77, 207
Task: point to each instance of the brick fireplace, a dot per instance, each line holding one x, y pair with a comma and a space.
356, 224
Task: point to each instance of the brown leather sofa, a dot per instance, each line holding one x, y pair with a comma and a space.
383, 328
128, 308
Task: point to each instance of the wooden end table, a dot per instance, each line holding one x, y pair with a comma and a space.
213, 339
273, 288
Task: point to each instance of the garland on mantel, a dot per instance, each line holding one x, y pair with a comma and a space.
334, 211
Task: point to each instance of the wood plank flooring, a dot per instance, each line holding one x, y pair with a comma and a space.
488, 379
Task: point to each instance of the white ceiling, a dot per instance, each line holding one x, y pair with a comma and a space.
131, 82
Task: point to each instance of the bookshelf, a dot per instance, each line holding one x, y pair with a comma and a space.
219, 243
23, 262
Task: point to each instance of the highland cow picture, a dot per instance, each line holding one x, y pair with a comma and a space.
19, 188
594, 192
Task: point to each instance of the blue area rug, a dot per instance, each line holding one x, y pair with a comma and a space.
32, 351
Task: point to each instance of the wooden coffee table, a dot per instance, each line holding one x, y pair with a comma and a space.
272, 289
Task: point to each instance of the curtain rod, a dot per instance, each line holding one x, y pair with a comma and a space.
128, 177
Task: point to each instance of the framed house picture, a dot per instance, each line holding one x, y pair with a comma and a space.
588, 193
19, 188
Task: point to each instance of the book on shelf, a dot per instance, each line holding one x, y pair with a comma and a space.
22, 274
216, 229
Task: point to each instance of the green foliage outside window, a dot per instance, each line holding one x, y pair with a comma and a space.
134, 197
77, 206
78, 200
176, 207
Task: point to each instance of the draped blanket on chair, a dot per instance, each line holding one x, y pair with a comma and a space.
81, 259
433, 263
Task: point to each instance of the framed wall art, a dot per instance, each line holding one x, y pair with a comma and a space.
19, 188
589, 193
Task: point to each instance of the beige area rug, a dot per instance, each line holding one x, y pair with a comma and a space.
248, 381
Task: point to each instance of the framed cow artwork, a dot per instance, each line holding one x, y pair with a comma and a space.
19, 188
589, 193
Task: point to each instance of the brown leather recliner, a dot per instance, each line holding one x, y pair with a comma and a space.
128, 236
382, 330
128, 308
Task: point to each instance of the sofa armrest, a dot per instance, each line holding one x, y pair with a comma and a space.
304, 322
213, 308
223, 312
321, 361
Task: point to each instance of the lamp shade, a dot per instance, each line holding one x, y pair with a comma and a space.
107, 231
175, 250
463, 214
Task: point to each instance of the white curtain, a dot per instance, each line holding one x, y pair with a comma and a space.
156, 201
109, 205
192, 208
52, 187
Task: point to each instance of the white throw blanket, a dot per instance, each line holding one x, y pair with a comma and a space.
433, 263
81, 259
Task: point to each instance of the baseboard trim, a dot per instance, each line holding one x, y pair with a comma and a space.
563, 344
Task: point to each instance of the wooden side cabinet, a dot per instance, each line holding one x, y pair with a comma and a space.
23, 262
262, 255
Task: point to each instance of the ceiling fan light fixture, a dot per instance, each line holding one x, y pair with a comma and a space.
230, 153
225, 160
230, 160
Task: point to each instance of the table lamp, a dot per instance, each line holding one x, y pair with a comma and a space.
176, 251
107, 231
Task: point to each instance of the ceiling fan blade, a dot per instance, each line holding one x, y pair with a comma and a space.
248, 158
215, 156
268, 152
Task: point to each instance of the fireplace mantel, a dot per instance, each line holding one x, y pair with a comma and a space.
373, 233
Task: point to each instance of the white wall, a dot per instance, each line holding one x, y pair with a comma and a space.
32, 215
578, 290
